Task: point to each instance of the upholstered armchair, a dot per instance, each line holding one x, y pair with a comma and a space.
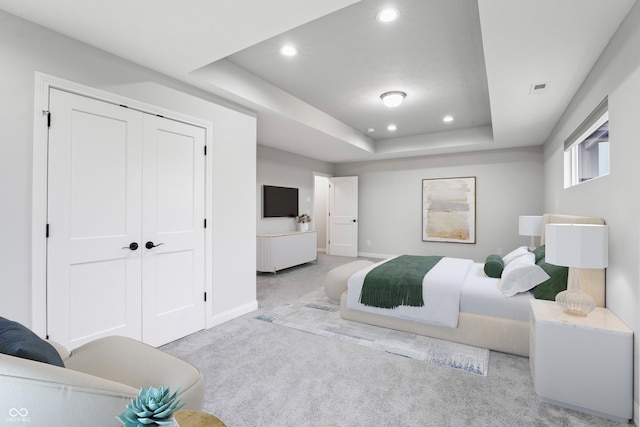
96, 383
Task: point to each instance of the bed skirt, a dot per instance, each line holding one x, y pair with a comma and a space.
493, 333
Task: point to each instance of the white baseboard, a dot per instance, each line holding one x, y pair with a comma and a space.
372, 255
221, 318
322, 250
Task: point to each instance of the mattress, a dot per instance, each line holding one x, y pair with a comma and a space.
479, 295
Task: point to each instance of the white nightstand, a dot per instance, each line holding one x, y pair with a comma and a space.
583, 363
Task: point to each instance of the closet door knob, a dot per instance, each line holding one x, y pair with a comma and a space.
151, 245
133, 246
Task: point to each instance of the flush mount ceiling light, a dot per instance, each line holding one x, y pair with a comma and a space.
447, 119
288, 50
393, 99
387, 15
392, 127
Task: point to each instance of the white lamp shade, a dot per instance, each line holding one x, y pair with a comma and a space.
530, 225
577, 245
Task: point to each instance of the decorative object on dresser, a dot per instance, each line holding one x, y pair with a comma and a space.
303, 222
582, 363
576, 246
529, 225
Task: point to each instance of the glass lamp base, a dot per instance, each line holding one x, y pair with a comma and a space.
575, 302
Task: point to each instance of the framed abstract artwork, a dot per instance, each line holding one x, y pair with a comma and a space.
449, 210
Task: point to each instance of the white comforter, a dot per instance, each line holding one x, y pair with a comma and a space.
440, 291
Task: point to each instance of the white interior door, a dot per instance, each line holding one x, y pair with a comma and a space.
121, 180
94, 211
173, 230
343, 216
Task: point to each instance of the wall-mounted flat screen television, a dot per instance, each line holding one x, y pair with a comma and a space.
278, 202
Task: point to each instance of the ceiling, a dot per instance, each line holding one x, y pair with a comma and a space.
475, 61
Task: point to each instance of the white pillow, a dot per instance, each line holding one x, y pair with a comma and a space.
514, 254
521, 275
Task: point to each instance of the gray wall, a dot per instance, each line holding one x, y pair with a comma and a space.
26, 48
281, 168
613, 197
508, 184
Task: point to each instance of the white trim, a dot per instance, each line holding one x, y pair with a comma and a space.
325, 218
43, 84
372, 255
232, 314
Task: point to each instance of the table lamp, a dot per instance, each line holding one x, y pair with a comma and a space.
530, 226
576, 246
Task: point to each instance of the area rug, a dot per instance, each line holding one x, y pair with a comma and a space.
314, 313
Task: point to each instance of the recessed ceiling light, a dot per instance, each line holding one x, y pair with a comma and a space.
392, 127
288, 50
387, 15
393, 99
447, 119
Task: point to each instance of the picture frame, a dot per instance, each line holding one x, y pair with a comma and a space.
449, 210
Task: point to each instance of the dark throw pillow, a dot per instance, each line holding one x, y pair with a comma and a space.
17, 340
555, 284
493, 266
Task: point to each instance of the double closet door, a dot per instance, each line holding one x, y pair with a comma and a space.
125, 247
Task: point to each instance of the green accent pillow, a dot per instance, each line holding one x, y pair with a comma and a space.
557, 283
539, 253
17, 340
493, 266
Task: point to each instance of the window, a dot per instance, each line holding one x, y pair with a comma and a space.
586, 151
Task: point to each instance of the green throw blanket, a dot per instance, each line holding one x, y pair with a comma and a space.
397, 282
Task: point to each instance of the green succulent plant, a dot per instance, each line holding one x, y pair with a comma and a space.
152, 407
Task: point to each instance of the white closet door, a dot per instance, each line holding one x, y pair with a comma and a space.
173, 230
94, 211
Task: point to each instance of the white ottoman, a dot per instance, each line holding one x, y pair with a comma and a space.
335, 282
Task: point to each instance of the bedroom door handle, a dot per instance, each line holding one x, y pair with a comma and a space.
355, 220
151, 245
133, 246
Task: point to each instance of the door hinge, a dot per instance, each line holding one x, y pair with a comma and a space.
205, 297
48, 114
205, 150
205, 223
47, 231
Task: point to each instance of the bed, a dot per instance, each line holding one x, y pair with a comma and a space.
486, 318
